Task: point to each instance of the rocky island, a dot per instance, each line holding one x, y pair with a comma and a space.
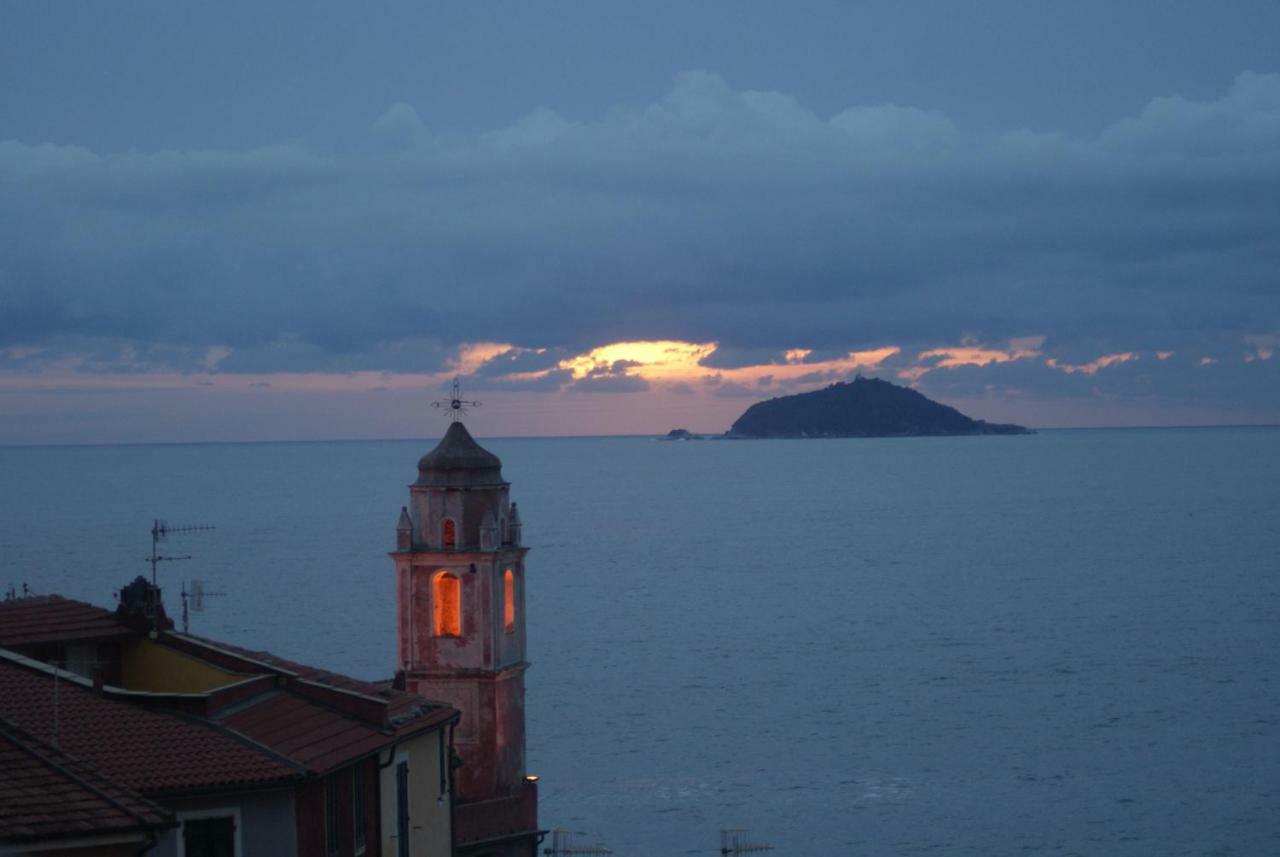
865, 407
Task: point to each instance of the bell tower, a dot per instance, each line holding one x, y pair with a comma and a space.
460, 609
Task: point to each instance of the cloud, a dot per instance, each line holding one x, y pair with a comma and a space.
540, 382
732, 390
399, 128
520, 360
972, 353
1263, 345
742, 221
610, 384
729, 357
1093, 366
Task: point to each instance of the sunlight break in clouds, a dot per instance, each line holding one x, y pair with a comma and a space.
968, 354
662, 360
770, 375
675, 362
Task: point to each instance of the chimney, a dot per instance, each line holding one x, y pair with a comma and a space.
142, 607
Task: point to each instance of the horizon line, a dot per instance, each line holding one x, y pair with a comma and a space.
709, 435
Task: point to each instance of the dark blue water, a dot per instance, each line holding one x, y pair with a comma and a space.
1060, 644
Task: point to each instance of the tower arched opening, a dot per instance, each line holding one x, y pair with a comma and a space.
446, 601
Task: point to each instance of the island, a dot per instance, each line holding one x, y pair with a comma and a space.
865, 407
682, 434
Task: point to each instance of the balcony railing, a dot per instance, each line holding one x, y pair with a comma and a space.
498, 818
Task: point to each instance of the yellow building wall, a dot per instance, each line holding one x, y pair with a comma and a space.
429, 819
151, 667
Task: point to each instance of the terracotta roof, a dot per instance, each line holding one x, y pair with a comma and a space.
304, 671
47, 795
309, 723
407, 712
151, 751
310, 734
53, 619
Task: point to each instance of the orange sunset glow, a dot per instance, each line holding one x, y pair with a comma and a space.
627, 387
1092, 367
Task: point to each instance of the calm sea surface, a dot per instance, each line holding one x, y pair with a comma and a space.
1060, 644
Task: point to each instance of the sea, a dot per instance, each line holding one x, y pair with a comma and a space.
1066, 643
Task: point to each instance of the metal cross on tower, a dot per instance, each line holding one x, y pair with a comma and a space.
457, 405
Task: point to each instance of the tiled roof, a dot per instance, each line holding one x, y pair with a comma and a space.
310, 673
307, 724
310, 734
52, 618
151, 751
48, 795
407, 712
404, 711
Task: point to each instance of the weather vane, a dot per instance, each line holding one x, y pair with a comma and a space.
457, 405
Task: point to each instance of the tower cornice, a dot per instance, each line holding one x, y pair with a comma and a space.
460, 556
427, 674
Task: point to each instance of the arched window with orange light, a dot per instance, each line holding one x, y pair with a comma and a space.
509, 601
446, 602
448, 534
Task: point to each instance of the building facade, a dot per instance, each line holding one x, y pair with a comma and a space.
241, 752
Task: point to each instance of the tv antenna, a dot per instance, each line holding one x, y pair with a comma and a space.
562, 845
59, 666
457, 405
11, 594
733, 840
195, 600
160, 531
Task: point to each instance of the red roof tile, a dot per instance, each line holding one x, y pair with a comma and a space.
310, 673
151, 751
52, 619
403, 711
312, 735
315, 728
408, 712
48, 795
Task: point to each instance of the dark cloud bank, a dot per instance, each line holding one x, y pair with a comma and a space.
709, 215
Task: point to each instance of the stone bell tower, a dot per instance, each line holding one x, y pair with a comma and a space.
460, 608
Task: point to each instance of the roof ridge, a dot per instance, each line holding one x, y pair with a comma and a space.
382, 729
311, 676
230, 649
240, 737
21, 660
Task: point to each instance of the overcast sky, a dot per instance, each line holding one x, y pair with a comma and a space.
219, 221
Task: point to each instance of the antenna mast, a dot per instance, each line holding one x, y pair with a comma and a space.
160, 532
195, 599
733, 841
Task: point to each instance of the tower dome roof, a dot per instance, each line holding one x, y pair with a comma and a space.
458, 461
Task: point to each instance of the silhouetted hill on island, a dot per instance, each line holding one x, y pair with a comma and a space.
867, 407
